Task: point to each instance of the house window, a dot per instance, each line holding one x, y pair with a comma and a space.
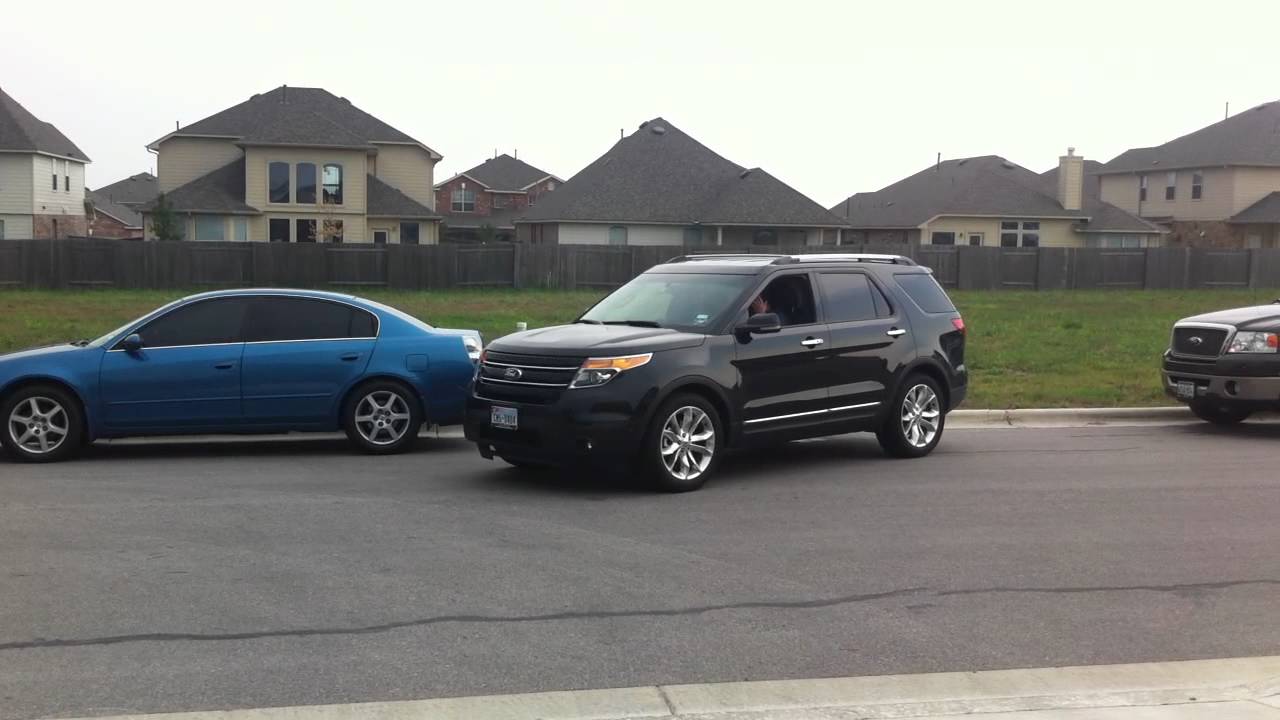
943, 238
1171, 185
551, 184
1142, 188
278, 230
692, 236
380, 237
210, 228
975, 239
332, 184
464, 200
764, 237
307, 183
1197, 185
1, 229
617, 235
55, 176
332, 231
278, 182
408, 233
240, 227
306, 231
500, 201
1019, 234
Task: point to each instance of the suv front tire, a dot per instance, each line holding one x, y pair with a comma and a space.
684, 444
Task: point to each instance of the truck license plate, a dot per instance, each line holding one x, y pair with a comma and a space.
1186, 390
504, 417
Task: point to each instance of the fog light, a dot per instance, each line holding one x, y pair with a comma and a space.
1232, 388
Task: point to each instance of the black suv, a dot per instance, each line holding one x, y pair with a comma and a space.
1226, 365
711, 352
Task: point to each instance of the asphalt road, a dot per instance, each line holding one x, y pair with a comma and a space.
149, 579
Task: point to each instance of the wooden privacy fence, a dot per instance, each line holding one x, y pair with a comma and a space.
80, 263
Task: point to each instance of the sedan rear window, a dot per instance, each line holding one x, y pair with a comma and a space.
926, 292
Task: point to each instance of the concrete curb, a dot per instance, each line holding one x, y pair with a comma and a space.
1238, 688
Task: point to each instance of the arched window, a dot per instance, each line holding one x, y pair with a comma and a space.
617, 235
331, 182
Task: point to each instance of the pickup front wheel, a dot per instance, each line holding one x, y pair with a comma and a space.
1220, 413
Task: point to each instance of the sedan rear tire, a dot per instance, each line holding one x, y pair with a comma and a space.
382, 417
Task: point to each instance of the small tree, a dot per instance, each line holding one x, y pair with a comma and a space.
165, 223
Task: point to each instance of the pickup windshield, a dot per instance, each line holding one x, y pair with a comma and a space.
690, 302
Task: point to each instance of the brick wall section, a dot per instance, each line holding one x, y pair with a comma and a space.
105, 226
444, 196
67, 225
1204, 234
541, 189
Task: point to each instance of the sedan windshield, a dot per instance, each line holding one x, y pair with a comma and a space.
682, 301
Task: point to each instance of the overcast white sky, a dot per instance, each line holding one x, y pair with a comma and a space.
831, 97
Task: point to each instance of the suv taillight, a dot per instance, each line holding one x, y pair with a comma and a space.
958, 322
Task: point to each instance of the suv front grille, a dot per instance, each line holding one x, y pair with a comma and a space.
537, 379
1198, 342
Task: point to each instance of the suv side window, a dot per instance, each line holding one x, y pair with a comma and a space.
849, 297
925, 292
281, 319
790, 297
207, 322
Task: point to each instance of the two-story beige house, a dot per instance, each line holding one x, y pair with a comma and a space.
297, 165
1218, 186
41, 177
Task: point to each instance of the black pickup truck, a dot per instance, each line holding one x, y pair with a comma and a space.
1226, 365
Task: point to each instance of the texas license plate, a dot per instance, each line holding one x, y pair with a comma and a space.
504, 417
1186, 390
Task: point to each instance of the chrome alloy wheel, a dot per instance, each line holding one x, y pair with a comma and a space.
39, 425
921, 412
382, 417
688, 443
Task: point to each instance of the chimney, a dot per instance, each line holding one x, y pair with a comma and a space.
1071, 180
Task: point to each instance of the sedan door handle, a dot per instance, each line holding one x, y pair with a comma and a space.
895, 332
350, 357
224, 366
811, 342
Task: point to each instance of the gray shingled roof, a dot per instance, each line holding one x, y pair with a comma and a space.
221, 191
22, 131
658, 174
1248, 138
133, 190
984, 185
387, 201
297, 116
104, 204
1266, 210
505, 173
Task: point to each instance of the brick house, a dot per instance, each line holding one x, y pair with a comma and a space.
493, 193
41, 177
115, 211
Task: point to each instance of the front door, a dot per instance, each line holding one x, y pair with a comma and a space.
301, 355
870, 340
185, 377
783, 381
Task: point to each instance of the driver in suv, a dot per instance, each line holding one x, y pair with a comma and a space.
711, 352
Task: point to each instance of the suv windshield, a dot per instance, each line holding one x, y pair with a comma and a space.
682, 301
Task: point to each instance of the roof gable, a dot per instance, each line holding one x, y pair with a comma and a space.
20, 130
659, 174
219, 191
133, 190
1251, 137
505, 173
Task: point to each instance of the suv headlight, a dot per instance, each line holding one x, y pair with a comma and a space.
598, 371
1254, 342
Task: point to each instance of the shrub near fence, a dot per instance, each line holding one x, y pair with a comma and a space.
78, 263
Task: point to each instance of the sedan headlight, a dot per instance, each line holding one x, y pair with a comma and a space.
1254, 342
598, 371
473, 346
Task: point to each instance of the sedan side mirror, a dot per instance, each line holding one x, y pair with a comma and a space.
761, 324
132, 343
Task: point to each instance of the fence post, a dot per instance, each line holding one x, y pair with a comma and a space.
517, 267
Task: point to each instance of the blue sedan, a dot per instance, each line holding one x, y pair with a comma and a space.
241, 361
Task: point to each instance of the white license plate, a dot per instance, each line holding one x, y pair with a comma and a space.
1186, 390
504, 417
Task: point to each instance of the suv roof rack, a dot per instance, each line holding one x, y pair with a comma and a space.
788, 259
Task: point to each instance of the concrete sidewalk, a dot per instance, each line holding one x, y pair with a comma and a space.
1229, 689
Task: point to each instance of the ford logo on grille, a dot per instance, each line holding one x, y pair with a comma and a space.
1194, 340
513, 374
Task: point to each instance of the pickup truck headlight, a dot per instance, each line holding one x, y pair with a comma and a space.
598, 371
1254, 342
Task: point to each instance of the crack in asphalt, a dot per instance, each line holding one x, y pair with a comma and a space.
41, 643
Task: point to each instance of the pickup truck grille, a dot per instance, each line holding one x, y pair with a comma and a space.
1198, 342
537, 379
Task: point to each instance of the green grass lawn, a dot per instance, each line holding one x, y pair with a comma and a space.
1026, 349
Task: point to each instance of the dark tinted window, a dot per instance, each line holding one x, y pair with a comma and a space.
847, 297
926, 292
409, 233
883, 308
284, 318
203, 323
306, 231
278, 181
278, 230
306, 182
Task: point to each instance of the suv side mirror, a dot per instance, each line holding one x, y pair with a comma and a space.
132, 343
761, 324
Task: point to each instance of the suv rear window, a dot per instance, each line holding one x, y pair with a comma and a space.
926, 292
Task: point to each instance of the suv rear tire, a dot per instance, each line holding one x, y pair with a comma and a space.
913, 425
1220, 413
684, 443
